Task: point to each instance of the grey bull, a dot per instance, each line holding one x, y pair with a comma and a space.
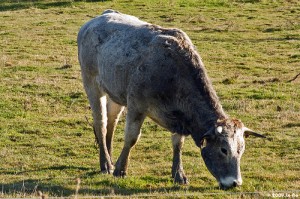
155, 72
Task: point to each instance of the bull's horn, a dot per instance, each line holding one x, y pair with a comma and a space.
248, 132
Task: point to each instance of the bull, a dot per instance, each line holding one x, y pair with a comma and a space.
155, 72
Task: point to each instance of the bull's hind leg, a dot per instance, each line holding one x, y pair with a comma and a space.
114, 111
97, 99
177, 168
134, 121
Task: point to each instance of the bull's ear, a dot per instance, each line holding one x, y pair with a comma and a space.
203, 143
209, 135
248, 132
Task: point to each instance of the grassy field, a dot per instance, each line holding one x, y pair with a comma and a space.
251, 49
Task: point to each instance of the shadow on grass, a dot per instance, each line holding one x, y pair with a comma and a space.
52, 168
59, 187
10, 5
31, 187
121, 189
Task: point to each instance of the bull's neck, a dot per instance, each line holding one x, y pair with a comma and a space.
208, 107
206, 110
204, 119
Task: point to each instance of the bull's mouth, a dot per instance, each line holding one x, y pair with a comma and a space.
226, 187
229, 182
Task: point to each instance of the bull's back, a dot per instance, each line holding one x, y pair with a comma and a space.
101, 32
110, 48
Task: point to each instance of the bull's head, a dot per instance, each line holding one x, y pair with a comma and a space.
222, 148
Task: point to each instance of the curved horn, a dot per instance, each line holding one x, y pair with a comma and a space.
248, 132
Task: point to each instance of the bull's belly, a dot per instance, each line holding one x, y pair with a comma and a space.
118, 97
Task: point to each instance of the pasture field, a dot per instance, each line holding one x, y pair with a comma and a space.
251, 49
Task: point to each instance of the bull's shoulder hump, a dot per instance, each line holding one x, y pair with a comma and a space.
170, 33
171, 37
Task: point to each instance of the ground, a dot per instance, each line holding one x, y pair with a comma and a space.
251, 49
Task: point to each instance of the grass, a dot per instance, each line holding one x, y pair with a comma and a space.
250, 49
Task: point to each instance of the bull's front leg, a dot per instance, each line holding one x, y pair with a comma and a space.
177, 168
134, 122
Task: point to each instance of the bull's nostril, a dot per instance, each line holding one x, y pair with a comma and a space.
237, 183
229, 182
234, 184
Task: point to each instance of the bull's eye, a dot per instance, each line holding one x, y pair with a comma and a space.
224, 151
203, 143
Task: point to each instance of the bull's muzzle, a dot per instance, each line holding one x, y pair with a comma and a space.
229, 182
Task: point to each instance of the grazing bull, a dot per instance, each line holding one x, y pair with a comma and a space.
155, 72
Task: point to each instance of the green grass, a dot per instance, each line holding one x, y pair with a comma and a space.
251, 48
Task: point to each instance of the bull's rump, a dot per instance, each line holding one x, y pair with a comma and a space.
112, 47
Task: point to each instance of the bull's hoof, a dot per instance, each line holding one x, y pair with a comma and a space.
107, 169
181, 179
119, 173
